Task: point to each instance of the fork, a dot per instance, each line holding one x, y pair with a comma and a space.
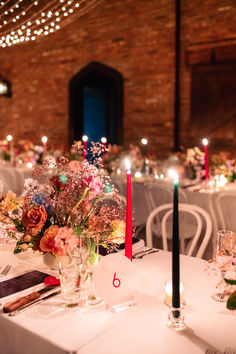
5, 270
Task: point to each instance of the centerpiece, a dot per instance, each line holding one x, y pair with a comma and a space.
75, 206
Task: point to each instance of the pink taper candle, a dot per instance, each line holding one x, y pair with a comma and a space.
205, 143
128, 230
104, 142
85, 139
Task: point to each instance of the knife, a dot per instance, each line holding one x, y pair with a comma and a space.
33, 303
14, 305
148, 249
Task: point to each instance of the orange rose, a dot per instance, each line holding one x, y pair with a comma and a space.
47, 241
34, 219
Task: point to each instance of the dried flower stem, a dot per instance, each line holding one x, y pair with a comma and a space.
77, 203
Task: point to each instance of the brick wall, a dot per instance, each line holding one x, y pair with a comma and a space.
134, 37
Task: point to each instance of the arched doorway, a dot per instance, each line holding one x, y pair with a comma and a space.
96, 104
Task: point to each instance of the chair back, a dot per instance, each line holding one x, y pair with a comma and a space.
225, 209
197, 212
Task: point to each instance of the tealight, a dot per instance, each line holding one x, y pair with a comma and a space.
118, 171
168, 292
221, 182
29, 165
156, 176
138, 174
211, 185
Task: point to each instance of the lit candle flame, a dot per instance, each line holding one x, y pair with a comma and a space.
9, 138
205, 142
85, 138
44, 139
174, 175
144, 141
104, 140
127, 164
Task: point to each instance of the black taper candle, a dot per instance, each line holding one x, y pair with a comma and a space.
175, 250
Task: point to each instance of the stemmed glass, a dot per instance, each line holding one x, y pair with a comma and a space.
224, 256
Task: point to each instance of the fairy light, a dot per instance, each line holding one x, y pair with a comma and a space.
18, 15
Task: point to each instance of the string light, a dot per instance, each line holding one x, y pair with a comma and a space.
26, 18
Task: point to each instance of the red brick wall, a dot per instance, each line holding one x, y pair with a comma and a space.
134, 37
205, 24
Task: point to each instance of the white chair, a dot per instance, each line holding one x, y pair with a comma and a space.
193, 239
140, 206
160, 193
225, 206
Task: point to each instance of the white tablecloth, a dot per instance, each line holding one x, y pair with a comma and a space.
49, 328
13, 178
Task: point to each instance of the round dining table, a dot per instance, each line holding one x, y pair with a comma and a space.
50, 328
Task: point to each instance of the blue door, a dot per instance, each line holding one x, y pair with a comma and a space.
94, 113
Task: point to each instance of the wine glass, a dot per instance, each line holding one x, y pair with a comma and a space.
224, 255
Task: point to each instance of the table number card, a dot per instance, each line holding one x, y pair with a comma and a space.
115, 281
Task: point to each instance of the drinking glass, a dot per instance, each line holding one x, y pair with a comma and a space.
224, 257
70, 284
89, 255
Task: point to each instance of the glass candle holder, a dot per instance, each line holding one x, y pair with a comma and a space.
176, 319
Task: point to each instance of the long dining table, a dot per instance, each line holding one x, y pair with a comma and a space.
50, 328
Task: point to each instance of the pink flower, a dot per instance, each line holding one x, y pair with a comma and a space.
64, 242
95, 186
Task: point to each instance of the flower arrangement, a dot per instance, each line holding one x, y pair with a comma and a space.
223, 164
75, 202
194, 164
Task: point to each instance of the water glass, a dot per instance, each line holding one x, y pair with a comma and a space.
224, 256
70, 285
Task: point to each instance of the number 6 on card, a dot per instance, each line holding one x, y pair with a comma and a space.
115, 279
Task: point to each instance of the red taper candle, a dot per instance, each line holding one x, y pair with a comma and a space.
104, 142
205, 143
85, 139
128, 229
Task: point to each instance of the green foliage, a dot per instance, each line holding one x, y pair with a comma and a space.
232, 177
19, 225
78, 230
230, 281
231, 302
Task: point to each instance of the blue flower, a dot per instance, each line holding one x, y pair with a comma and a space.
39, 199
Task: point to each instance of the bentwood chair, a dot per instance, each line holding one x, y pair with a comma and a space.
191, 244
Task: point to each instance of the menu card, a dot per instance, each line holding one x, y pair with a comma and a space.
21, 282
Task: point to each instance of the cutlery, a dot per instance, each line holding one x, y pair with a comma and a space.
36, 302
143, 251
28, 299
146, 254
5, 270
